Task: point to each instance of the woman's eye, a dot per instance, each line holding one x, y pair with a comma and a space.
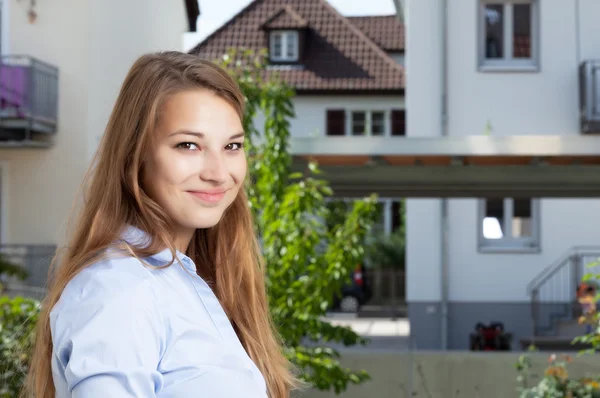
235, 146
187, 146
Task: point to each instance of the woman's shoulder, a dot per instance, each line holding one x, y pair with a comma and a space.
108, 315
112, 280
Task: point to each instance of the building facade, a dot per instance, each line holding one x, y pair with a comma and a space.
61, 69
347, 71
497, 68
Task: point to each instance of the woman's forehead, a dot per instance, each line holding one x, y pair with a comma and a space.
201, 112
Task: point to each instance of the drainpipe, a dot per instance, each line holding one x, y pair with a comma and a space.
2, 29
577, 33
444, 252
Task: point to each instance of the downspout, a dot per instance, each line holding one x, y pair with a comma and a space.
444, 252
577, 33
2, 28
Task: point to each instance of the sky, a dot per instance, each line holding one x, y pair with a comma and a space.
216, 13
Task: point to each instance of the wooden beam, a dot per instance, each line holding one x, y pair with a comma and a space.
529, 180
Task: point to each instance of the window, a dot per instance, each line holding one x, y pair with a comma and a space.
359, 123
379, 226
368, 123
508, 34
284, 46
388, 217
378, 123
509, 223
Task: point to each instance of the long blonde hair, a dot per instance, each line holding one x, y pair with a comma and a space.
228, 253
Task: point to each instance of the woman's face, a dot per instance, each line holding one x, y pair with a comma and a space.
198, 164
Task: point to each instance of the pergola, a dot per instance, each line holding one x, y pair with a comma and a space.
454, 167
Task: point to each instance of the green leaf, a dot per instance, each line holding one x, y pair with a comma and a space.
309, 252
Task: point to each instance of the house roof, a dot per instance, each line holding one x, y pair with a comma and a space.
386, 30
338, 57
285, 18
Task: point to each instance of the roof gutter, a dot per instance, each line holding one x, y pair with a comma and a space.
399, 5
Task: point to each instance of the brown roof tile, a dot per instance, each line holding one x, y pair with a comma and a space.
386, 31
338, 55
285, 18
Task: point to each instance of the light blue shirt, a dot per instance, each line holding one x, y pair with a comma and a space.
121, 329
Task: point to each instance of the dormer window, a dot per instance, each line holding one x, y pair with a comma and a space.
286, 33
284, 45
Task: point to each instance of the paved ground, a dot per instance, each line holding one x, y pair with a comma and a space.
383, 333
372, 327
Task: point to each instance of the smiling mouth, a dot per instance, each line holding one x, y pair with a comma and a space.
209, 197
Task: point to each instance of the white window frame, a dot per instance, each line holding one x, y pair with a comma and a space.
368, 120
508, 63
529, 244
386, 202
284, 34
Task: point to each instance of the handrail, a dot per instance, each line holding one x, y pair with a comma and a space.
554, 267
10, 90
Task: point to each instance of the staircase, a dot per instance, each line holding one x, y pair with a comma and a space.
554, 307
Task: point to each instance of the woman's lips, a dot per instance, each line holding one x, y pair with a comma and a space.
208, 196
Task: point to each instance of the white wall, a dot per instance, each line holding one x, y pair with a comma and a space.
515, 103
138, 27
42, 183
4, 26
503, 277
423, 82
538, 103
310, 120
92, 43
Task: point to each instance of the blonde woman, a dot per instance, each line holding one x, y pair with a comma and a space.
161, 293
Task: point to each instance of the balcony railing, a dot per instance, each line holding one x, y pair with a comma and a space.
35, 259
553, 291
589, 96
28, 100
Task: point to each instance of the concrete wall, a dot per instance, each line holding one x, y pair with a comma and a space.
490, 286
139, 26
443, 375
93, 44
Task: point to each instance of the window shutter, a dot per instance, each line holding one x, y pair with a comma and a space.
336, 122
398, 121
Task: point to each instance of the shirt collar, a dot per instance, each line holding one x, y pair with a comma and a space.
139, 238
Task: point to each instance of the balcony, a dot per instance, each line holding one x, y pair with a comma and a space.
28, 102
589, 97
35, 260
456, 166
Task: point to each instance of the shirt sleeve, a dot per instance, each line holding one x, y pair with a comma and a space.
108, 344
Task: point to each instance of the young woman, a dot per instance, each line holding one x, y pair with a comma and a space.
161, 292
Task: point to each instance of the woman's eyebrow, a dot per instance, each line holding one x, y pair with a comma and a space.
201, 135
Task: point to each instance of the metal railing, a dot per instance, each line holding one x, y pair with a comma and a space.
28, 94
388, 287
35, 259
553, 291
589, 96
